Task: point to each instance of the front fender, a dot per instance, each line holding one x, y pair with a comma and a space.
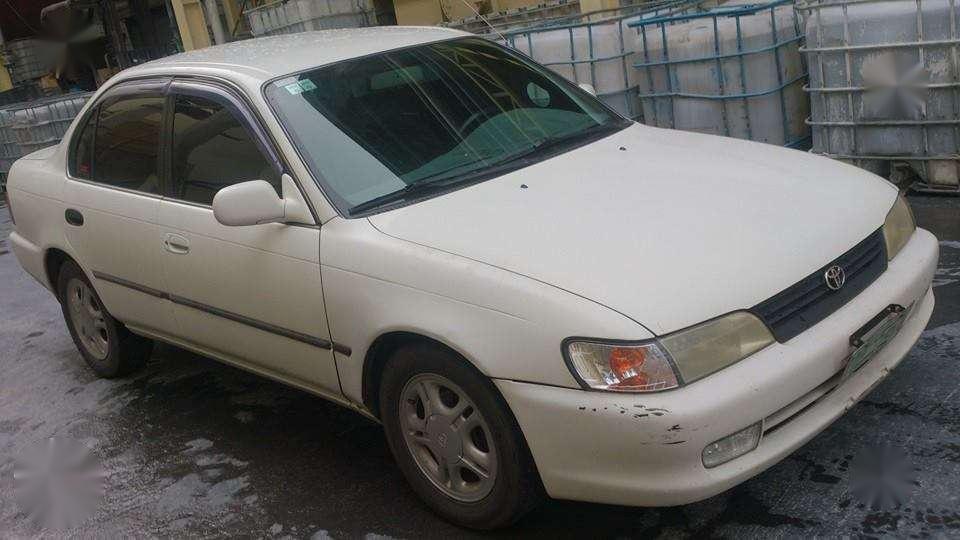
508, 326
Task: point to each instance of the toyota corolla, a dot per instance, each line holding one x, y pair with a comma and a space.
532, 294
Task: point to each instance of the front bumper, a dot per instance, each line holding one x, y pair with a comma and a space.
645, 449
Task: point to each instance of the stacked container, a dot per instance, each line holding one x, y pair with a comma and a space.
523, 17
28, 127
735, 70
292, 16
885, 86
595, 48
31, 59
9, 149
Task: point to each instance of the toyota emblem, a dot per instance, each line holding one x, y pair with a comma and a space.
835, 277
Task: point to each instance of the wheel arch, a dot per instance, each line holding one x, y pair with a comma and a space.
53, 260
379, 353
376, 360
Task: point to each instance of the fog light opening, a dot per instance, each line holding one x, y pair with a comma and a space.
732, 446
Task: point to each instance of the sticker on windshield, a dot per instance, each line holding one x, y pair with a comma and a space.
300, 87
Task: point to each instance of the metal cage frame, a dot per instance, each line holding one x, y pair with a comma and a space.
620, 17
814, 8
737, 13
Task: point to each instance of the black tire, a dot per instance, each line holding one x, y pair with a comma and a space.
516, 489
126, 352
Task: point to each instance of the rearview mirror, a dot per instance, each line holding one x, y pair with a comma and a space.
248, 203
588, 88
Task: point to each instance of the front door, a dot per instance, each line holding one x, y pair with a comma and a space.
112, 199
252, 294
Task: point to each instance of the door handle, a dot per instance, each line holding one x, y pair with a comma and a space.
174, 243
73, 217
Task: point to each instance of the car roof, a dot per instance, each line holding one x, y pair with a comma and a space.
272, 56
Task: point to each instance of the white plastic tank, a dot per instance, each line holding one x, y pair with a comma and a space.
735, 70
29, 126
43, 123
885, 86
292, 16
595, 48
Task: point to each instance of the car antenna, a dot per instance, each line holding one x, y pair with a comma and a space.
485, 21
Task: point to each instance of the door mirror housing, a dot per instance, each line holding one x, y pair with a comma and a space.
256, 202
588, 88
248, 203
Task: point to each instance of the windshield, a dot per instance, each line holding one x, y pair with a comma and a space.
377, 130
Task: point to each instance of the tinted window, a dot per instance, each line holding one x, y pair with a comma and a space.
212, 150
81, 165
437, 113
127, 143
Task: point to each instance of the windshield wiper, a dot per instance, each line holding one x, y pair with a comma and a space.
444, 180
547, 143
410, 191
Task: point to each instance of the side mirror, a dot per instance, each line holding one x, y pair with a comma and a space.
248, 203
588, 88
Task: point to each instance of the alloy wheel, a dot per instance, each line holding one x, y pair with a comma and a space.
448, 437
87, 317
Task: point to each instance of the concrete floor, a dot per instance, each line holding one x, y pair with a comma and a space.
195, 448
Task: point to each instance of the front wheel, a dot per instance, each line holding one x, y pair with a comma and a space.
455, 439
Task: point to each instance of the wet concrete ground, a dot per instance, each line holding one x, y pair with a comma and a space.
192, 447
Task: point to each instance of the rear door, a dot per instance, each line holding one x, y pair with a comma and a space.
112, 198
252, 293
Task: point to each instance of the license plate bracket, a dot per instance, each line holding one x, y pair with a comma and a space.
874, 336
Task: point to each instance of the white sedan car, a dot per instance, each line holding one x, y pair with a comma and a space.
532, 294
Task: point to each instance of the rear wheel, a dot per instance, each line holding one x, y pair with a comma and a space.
105, 344
455, 439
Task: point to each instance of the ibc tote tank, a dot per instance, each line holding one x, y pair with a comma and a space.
292, 16
735, 70
595, 48
884, 85
29, 126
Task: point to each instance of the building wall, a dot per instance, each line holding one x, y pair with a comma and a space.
587, 6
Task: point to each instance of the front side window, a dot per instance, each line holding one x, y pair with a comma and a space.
127, 143
374, 128
212, 150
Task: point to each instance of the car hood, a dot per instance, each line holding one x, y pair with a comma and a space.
669, 228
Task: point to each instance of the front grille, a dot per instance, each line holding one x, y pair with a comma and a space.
810, 301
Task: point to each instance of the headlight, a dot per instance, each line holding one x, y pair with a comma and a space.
714, 345
621, 367
898, 227
667, 362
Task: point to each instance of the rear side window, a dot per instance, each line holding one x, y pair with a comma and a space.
127, 143
81, 165
212, 149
